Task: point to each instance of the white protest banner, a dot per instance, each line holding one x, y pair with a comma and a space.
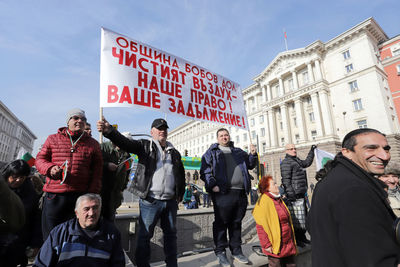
135, 74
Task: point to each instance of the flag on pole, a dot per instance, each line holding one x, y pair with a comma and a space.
322, 157
29, 159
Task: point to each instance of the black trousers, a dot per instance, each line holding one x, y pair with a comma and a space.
229, 211
57, 208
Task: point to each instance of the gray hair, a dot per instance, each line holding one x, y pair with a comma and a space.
392, 168
88, 196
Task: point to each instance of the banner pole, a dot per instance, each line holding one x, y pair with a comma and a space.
101, 118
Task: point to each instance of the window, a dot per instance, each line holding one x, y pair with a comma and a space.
278, 90
313, 134
295, 122
308, 100
237, 139
244, 137
281, 124
396, 52
357, 104
262, 131
261, 119
346, 54
349, 68
253, 106
311, 116
264, 146
283, 141
305, 77
398, 69
353, 86
297, 137
362, 124
291, 86
253, 135
252, 122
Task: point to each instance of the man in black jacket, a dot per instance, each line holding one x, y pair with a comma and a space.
294, 180
160, 184
350, 220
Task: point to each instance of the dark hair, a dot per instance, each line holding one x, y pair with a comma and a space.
349, 141
264, 183
17, 167
221, 130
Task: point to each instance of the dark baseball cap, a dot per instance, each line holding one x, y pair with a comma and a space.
158, 123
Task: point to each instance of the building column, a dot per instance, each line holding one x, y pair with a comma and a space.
269, 92
326, 112
281, 89
264, 93
272, 127
295, 81
256, 102
310, 73
318, 71
285, 123
317, 116
300, 118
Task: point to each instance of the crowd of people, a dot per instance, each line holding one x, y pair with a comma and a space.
65, 213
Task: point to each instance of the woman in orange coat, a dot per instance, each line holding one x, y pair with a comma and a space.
274, 225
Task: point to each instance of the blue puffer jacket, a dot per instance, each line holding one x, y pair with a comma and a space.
213, 168
68, 245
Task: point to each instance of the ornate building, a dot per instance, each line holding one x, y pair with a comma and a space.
312, 95
14, 134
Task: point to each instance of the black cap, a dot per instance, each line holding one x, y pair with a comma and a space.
158, 123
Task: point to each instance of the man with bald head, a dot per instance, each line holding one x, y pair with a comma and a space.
294, 180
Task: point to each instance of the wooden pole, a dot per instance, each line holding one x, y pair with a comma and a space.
101, 134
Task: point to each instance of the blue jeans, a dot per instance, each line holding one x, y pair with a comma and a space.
152, 210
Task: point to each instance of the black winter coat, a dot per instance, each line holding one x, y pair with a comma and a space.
31, 232
294, 176
148, 158
350, 220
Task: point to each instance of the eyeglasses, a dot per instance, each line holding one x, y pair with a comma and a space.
77, 118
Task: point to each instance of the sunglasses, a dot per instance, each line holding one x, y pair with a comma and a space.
291, 148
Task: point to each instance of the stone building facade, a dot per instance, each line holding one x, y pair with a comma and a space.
311, 95
14, 134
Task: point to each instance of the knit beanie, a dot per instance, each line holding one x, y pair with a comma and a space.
75, 112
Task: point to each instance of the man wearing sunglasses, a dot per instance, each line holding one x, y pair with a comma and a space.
294, 180
72, 162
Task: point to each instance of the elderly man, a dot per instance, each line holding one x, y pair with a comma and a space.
72, 163
160, 184
294, 180
350, 220
224, 170
85, 240
391, 178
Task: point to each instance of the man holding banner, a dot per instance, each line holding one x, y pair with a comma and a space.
115, 177
224, 170
160, 186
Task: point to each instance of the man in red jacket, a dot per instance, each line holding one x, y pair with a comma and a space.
72, 162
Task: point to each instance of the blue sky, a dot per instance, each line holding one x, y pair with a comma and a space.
50, 49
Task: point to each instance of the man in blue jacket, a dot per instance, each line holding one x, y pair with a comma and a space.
83, 241
224, 169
